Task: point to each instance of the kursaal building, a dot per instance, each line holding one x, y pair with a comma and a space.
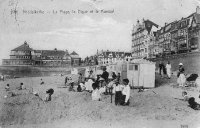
26, 56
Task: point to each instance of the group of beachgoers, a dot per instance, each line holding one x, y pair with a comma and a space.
11, 92
102, 84
181, 80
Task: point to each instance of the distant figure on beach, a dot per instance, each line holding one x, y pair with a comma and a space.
168, 67
161, 68
114, 76
125, 93
66, 79
193, 104
7, 87
185, 96
80, 78
79, 89
105, 75
49, 93
2, 77
71, 87
22, 86
181, 76
42, 82
91, 75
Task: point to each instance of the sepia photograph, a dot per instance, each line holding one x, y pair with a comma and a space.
99, 63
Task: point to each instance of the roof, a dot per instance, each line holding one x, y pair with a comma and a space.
141, 61
23, 47
53, 53
73, 53
114, 54
197, 18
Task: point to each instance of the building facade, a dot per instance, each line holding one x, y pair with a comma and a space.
111, 57
177, 37
20, 56
142, 38
26, 56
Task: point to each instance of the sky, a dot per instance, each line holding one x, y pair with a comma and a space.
75, 25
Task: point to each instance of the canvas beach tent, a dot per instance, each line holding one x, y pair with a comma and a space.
74, 71
141, 73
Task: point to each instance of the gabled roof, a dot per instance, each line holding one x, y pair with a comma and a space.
23, 47
73, 53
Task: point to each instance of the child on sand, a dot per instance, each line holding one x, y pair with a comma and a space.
49, 93
185, 96
96, 94
7, 87
42, 82
22, 86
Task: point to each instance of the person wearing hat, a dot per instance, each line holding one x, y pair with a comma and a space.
102, 85
125, 93
181, 76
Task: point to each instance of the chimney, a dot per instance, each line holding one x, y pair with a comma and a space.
55, 49
198, 10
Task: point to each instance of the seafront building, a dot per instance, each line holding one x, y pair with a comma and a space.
111, 57
24, 56
180, 36
143, 39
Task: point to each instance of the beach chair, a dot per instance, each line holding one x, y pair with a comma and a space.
191, 80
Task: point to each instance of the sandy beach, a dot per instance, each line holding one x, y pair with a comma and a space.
160, 107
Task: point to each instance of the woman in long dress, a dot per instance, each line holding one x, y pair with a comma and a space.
168, 67
181, 76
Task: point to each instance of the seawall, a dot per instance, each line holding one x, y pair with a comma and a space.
191, 62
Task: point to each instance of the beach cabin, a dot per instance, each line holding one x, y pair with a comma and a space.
141, 73
121, 67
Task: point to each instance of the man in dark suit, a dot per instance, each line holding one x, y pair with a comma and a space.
105, 74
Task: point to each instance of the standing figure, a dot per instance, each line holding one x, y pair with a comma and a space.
105, 75
66, 79
168, 67
114, 76
181, 76
117, 89
125, 93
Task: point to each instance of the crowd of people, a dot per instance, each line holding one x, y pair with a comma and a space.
103, 84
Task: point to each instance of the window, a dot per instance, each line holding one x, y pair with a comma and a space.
136, 67
130, 67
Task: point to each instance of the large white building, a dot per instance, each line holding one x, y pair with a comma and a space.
142, 38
